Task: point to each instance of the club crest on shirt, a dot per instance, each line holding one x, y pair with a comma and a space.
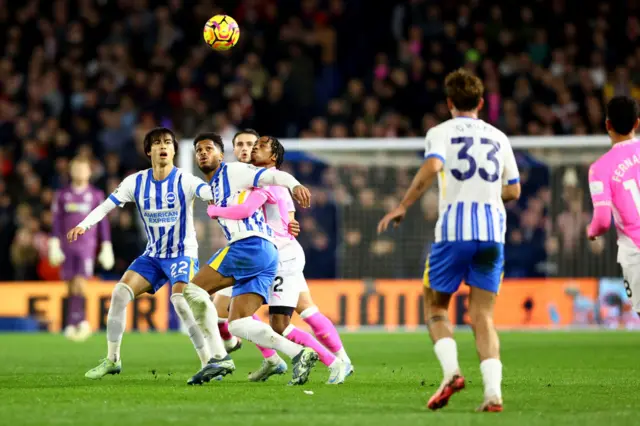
170, 198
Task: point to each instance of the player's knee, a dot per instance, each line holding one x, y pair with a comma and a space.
180, 304
122, 294
240, 326
195, 294
178, 288
305, 302
480, 316
222, 305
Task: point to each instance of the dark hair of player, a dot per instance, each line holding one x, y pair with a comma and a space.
464, 89
155, 134
622, 113
214, 137
277, 149
244, 132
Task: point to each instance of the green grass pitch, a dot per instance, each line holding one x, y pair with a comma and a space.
553, 378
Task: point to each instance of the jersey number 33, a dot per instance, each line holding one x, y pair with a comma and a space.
489, 174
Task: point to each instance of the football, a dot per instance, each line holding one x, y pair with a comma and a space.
221, 32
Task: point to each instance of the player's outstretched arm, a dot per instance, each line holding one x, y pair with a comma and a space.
300, 193
92, 218
123, 194
249, 176
256, 199
199, 188
421, 182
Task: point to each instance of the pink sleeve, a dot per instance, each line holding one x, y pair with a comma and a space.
284, 197
289, 202
272, 198
601, 197
240, 211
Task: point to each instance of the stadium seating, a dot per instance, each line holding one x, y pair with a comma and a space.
91, 80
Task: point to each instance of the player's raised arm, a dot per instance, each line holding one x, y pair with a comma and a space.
601, 198
434, 162
277, 177
256, 199
122, 195
196, 187
259, 177
511, 176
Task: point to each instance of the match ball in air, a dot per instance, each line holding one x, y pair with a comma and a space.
221, 32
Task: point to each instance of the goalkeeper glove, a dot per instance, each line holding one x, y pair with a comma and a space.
105, 257
56, 256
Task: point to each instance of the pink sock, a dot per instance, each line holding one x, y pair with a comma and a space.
224, 330
324, 329
305, 339
266, 352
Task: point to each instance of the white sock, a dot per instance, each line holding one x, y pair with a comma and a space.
273, 359
231, 343
308, 312
491, 370
117, 319
447, 353
189, 322
342, 354
261, 334
206, 316
228, 343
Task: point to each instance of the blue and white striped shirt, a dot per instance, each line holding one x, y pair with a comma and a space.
166, 210
478, 162
229, 185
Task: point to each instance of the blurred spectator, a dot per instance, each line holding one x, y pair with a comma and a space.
24, 256
91, 77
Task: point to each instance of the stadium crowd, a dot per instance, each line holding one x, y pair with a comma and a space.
90, 77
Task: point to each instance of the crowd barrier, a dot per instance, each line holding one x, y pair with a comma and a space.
352, 304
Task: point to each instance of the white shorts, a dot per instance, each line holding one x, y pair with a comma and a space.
225, 291
289, 281
629, 259
631, 275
